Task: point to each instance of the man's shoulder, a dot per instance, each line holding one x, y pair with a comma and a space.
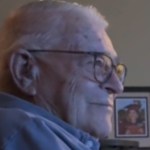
12, 120
19, 128
22, 129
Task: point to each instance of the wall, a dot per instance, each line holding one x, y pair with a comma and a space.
129, 29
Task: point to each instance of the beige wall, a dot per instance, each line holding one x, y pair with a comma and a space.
130, 32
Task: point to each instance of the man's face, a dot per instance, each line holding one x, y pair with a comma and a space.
78, 98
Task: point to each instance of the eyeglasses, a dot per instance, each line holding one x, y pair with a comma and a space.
103, 66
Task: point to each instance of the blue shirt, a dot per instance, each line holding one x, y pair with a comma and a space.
24, 126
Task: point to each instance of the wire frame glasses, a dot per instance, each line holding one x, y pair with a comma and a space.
103, 66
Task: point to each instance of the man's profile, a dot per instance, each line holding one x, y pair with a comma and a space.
59, 77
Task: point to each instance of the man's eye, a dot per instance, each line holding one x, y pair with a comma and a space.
90, 63
100, 62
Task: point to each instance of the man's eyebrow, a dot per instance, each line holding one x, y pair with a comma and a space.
115, 59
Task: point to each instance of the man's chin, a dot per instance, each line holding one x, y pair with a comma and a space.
103, 129
104, 134
100, 131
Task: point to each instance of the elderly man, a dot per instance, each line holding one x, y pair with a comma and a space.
59, 76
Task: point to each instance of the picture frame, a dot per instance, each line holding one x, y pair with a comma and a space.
131, 113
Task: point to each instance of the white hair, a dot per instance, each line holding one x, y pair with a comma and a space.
66, 21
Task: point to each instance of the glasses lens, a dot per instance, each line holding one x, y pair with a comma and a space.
103, 68
121, 72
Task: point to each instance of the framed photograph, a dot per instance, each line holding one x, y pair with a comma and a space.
131, 115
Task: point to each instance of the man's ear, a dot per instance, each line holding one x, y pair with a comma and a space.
24, 71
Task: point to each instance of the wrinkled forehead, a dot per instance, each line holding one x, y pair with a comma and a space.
97, 40
90, 35
77, 30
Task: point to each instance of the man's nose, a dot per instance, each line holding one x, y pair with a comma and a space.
114, 84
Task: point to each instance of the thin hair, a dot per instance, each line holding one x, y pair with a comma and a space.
66, 21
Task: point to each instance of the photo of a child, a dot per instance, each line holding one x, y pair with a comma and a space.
131, 116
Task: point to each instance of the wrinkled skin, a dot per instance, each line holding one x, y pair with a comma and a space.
79, 99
